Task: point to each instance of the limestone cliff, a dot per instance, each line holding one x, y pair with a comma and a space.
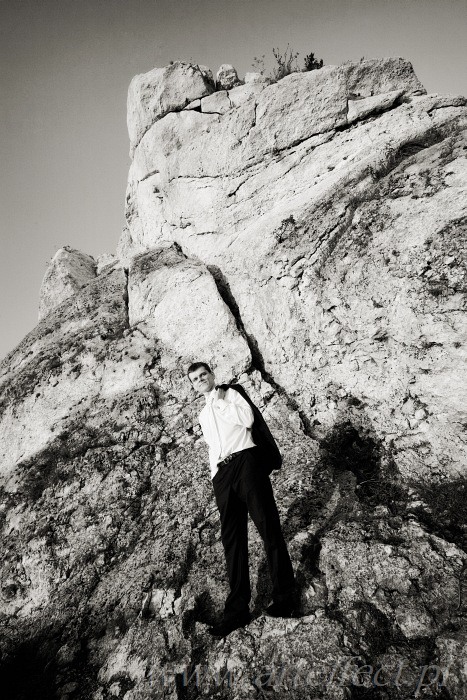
307, 237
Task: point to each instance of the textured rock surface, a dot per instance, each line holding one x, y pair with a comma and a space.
227, 77
154, 94
176, 301
378, 75
307, 237
342, 219
67, 272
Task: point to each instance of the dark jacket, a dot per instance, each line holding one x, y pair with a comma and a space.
260, 433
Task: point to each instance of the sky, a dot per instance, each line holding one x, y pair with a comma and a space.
65, 67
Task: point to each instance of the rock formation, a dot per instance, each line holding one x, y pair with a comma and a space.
307, 238
67, 272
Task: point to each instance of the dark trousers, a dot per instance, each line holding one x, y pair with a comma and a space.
242, 486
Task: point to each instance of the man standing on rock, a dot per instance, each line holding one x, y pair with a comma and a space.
241, 486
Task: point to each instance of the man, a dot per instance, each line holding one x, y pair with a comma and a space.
241, 486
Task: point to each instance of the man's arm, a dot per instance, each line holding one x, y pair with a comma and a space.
235, 409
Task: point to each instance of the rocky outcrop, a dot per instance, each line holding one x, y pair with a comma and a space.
195, 174
68, 271
316, 211
379, 75
227, 77
163, 90
307, 238
175, 300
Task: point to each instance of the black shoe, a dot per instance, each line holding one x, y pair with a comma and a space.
226, 626
285, 609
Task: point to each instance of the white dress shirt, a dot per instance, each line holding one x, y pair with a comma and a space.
226, 425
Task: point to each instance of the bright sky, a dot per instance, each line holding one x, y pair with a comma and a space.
65, 66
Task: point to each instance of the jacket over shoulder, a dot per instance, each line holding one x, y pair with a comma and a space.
262, 436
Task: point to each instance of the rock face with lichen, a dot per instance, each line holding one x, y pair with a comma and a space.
307, 238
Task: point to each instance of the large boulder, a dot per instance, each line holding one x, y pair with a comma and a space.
67, 272
176, 300
227, 77
154, 94
378, 75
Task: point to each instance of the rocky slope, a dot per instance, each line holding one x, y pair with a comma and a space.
306, 237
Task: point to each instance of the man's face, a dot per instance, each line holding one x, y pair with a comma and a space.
202, 380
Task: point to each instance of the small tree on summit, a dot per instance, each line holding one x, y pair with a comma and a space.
312, 63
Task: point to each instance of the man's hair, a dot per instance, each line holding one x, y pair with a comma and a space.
197, 365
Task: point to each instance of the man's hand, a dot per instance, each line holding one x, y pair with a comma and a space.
220, 393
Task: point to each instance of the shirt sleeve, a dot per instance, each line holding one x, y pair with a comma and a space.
234, 409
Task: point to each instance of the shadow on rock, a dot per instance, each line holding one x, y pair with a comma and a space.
204, 611
348, 449
443, 510
30, 672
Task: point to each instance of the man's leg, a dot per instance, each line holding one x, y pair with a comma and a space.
255, 489
234, 534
